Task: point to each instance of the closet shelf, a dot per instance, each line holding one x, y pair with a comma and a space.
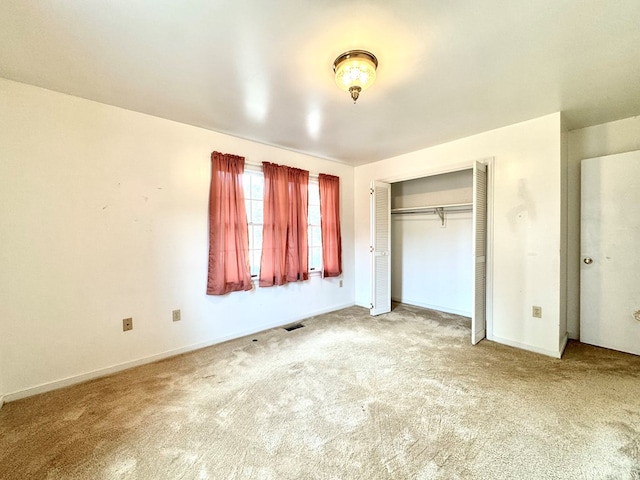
444, 208
439, 210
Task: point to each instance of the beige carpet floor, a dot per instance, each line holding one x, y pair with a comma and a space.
400, 396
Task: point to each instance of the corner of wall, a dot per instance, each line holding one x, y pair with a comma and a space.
564, 230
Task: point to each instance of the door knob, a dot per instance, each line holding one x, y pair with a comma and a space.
588, 260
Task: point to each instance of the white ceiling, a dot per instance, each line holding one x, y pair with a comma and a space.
262, 70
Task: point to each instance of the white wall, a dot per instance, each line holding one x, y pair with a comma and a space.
104, 216
597, 141
431, 264
450, 188
526, 230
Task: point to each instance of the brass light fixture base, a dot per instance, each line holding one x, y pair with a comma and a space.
355, 93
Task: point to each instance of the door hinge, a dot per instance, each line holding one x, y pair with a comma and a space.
371, 305
370, 248
371, 190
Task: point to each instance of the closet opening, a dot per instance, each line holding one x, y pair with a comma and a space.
429, 244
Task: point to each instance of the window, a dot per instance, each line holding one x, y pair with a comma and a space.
253, 197
315, 232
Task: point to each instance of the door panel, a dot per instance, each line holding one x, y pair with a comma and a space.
380, 248
610, 262
478, 320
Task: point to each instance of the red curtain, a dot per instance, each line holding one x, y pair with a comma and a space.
330, 225
284, 235
228, 232
297, 241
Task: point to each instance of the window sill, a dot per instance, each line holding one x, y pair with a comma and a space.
312, 273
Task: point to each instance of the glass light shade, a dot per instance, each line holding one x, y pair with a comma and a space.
356, 68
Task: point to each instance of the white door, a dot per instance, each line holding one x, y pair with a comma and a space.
479, 319
380, 248
610, 263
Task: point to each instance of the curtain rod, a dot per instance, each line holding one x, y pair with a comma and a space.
258, 166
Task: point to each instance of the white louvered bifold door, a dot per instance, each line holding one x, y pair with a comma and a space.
479, 320
380, 248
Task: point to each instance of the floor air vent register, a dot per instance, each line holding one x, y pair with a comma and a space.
295, 326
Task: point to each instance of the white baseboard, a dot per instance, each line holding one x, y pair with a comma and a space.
1, 401
102, 372
440, 308
523, 346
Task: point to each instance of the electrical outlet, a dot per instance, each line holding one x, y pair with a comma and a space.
176, 316
536, 312
127, 324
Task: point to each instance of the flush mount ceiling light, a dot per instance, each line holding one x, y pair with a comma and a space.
355, 71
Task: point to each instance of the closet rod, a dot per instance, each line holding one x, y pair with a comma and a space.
445, 208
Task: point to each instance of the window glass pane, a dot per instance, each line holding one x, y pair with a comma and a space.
315, 259
314, 194
253, 185
257, 237
314, 215
310, 236
255, 262
316, 237
315, 234
251, 246
246, 184
247, 206
257, 211
257, 187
